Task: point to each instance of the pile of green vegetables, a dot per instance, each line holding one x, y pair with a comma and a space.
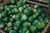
18, 17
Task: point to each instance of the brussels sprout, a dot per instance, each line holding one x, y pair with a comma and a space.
3, 14
23, 30
43, 15
40, 18
24, 17
46, 20
11, 19
0, 15
27, 11
14, 11
20, 3
1, 25
38, 32
36, 6
12, 7
17, 16
13, 16
12, 1
9, 24
6, 8
34, 10
12, 31
21, 9
30, 18
33, 29
1, 8
7, 29
35, 22
35, 15
26, 24
9, 12
27, 31
5, 19
16, 28
16, 25
25, 6
40, 10
40, 25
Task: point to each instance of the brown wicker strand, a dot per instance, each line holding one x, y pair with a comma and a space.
45, 30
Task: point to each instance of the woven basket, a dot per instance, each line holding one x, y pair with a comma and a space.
31, 4
44, 1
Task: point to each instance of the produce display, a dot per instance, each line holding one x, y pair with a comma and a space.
18, 17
